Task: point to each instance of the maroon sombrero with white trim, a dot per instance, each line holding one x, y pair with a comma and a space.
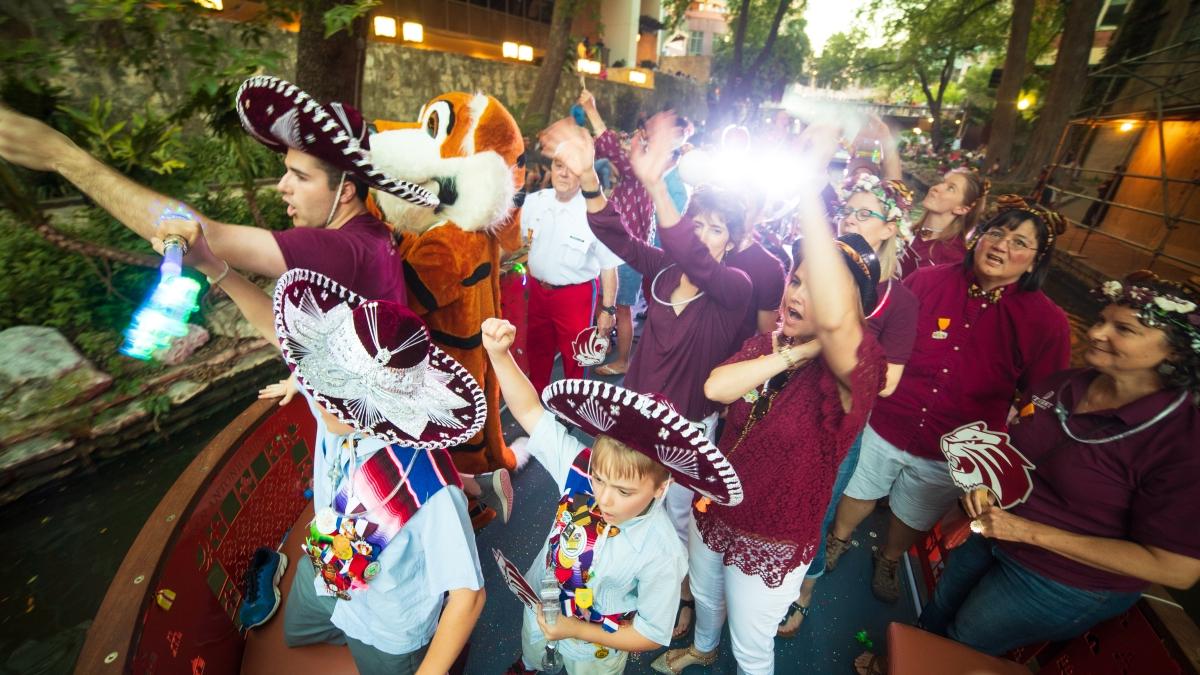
371, 364
280, 115
651, 426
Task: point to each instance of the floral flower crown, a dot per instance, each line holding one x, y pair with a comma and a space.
1155, 308
896, 197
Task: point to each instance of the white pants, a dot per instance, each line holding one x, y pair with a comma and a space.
678, 501
754, 610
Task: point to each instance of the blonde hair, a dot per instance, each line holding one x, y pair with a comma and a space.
618, 461
889, 256
975, 196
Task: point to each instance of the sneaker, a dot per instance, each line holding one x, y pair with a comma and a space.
518, 668
497, 492
885, 582
834, 548
262, 587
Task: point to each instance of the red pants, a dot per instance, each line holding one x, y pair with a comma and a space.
556, 316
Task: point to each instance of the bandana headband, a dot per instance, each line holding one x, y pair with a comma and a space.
1056, 224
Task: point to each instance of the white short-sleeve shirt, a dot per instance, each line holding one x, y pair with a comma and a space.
639, 570
564, 250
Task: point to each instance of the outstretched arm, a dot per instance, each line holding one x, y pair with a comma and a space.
34, 145
834, 304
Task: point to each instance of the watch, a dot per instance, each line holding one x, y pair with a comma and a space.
589, 194
609, 310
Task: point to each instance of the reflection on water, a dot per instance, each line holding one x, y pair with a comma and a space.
65, 544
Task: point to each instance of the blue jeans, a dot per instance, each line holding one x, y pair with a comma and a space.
989, 602
845, 471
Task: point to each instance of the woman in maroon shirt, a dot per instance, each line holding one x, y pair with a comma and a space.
984, 333
791, 419
696, 305
878, 211
1113, 505
952, 208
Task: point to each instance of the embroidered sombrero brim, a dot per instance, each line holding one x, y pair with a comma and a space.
280, 115
650, 426
432, 403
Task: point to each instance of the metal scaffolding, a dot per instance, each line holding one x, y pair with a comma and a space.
1141, 92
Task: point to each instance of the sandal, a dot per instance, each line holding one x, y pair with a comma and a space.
676, 633
673, 661
869, 663
607, 370
793, 609
885, 581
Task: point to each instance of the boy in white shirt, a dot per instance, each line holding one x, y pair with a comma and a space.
612, 549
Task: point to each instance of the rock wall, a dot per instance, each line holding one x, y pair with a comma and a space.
399, 80
59, 415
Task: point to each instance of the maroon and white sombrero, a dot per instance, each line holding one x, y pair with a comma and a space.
651, 426
372, 365
280, 115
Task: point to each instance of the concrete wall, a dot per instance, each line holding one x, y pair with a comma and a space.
400, 80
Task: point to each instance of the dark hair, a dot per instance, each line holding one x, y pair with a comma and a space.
724, 204
333, 176
1011, 220
1185, 371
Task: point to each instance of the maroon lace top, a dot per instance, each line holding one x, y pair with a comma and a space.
787, 462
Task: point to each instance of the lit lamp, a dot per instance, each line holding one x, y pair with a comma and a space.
1126, 126
385, 26
1024, 103
917, 130
509, 50
413, 32
217, 5
588, 66
524, 53
637, 77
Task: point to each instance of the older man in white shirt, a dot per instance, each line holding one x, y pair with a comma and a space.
565, 261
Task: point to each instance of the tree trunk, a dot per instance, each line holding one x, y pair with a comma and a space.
1004, 117
1067, 82
330, 69
541, 101
751, 73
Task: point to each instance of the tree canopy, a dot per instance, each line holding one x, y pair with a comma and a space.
745, 70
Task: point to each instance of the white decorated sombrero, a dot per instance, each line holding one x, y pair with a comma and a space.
371, 364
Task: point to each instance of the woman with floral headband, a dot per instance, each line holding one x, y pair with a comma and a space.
984, 333
878, 211
952, 208
1113, 503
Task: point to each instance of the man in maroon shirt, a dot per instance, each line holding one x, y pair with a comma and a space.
328, 171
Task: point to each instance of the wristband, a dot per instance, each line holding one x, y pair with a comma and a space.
610, 310
220, 277
787, 359
589, 194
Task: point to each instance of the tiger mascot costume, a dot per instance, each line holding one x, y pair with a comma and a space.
468, 149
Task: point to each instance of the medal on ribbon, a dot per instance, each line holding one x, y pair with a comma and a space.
943, 324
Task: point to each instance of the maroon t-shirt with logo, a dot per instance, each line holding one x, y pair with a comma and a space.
359, 255
1141, 488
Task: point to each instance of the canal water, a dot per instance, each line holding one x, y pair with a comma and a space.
67, 542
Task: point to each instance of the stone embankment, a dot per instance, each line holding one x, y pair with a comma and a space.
60, 415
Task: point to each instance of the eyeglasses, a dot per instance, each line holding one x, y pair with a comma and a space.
863, 215
997, 235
